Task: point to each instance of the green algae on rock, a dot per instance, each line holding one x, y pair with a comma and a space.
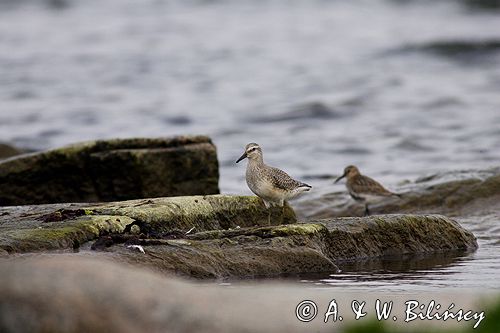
108, 170
241, 253
64, 226
316, 246
394, 235
220, 236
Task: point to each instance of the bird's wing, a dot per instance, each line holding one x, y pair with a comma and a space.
282, 180
367, 185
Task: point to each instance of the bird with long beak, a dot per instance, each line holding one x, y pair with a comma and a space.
272, 185
363, 188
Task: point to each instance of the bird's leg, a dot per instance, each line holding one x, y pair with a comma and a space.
367, 211
282, 211
267, 204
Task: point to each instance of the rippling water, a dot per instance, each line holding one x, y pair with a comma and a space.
401, 88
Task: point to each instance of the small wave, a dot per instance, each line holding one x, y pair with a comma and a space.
454, 48
443, 102
178, 120
50, 133
413, 145
482, 4
313, 110
353, 151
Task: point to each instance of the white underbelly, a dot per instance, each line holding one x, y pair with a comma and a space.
266, 191
369, 198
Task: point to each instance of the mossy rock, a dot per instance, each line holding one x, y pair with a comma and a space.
242, 253
316, 246
394, 235
65, 226
230, 236
36, 236
110, 170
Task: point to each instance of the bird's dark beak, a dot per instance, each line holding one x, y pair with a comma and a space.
337, 180
242, 157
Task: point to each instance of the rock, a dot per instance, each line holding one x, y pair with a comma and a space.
75, 294
231, 238
394, 235
241, 253
315, 246
112, 170
8, 151
67, 226
432, 195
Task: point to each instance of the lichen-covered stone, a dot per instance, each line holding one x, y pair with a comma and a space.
111, 170
208, 212
394, 235
249, 252
64, 226
223, 236
315, 246
35, 236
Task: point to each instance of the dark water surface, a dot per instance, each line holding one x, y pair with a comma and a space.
403, 89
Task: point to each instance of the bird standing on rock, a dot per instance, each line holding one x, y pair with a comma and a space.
272, 185
363, 188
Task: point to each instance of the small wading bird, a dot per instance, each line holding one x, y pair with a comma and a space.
363, 188
272, 185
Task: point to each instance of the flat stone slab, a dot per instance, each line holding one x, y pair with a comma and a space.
394, 235
222, 236
110, 170
316, 246
68, 226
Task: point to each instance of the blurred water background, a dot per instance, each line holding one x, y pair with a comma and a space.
402, 89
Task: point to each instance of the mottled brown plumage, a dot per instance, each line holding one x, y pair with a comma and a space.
363, 188
273, 185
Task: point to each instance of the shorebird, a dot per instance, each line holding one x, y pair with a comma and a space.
272, 185
363, 188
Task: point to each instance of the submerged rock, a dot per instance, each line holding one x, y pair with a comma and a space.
110, 170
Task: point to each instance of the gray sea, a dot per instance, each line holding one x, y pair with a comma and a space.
403, 89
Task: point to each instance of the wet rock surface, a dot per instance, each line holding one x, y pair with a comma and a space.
296, 248
68, 226
222, 236
110, 170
